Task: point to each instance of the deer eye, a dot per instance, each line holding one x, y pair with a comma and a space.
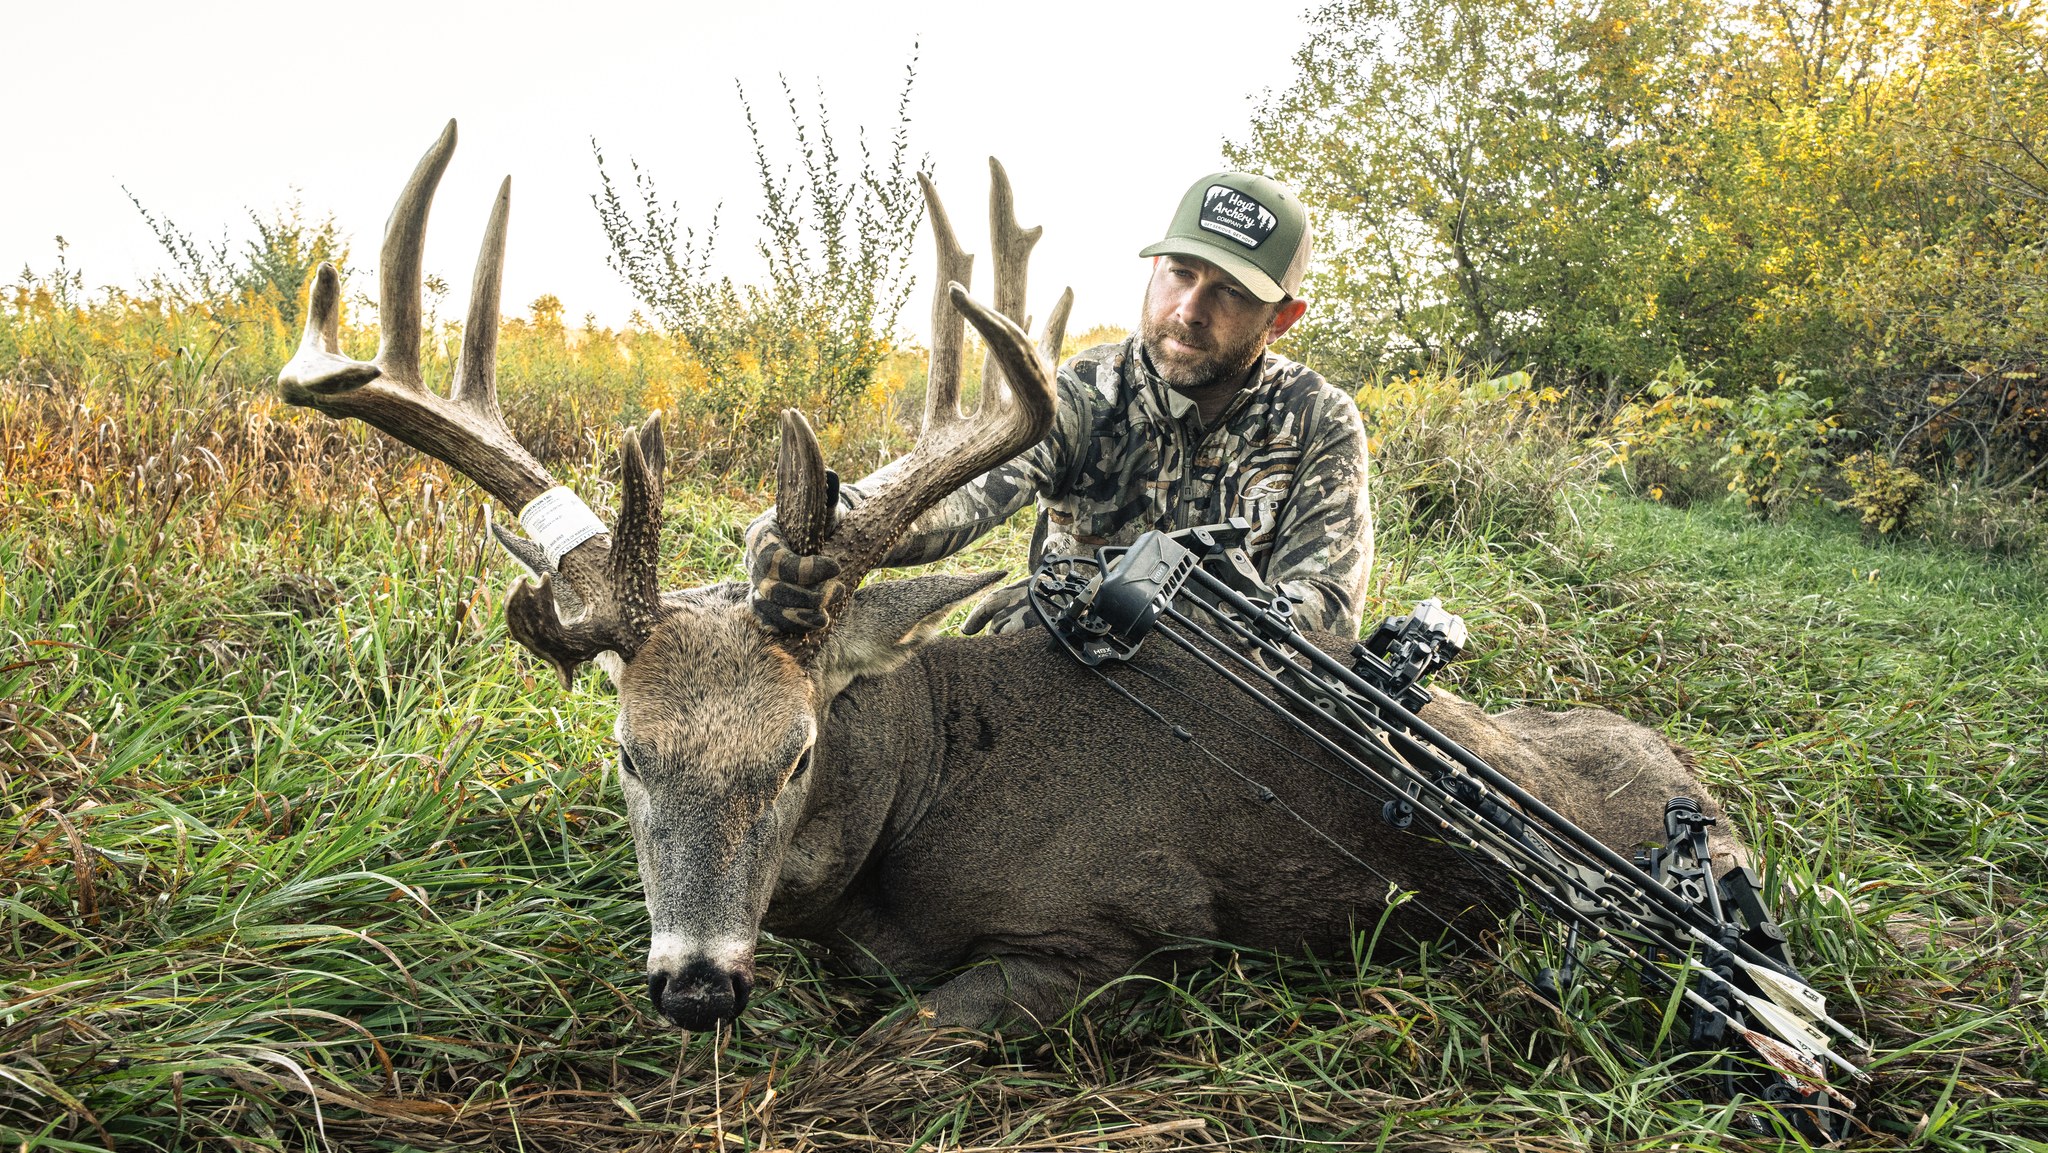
802, 766
626, 764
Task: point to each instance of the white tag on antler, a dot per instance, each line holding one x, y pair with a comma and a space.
558, 521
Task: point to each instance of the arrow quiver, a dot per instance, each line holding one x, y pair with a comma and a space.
1592, 914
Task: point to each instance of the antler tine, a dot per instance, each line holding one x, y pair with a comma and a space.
319, 368
949, 343
398, 265
803, 494
635, 557
476, 371
1011, 246
1054, 334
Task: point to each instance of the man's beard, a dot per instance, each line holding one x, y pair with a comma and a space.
1194, 371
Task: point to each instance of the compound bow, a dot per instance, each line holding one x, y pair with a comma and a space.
1709, 941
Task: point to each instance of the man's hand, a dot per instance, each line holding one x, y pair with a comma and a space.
793, 593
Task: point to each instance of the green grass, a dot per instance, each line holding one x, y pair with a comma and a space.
294, 843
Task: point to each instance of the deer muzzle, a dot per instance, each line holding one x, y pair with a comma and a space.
697, 987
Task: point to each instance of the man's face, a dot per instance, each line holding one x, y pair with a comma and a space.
1201, 327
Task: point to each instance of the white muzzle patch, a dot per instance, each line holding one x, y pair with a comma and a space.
671, 952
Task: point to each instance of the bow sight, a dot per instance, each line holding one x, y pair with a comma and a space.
1710, 942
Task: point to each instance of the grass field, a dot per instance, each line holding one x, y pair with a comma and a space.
298, 852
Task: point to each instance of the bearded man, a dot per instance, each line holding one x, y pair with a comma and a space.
1191, 421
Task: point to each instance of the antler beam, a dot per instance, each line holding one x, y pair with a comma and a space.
610, 575
1015, 410
465, 430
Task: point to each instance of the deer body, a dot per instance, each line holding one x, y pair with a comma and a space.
921, 805
1060, 833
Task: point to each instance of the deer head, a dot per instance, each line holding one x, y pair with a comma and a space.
717, 717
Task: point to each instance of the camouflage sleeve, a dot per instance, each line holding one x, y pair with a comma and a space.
989, 499
1322, 547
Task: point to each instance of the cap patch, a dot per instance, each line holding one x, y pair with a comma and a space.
1232, 213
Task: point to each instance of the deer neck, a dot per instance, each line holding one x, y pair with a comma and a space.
877, 771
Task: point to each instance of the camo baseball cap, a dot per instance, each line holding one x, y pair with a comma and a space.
1253, 228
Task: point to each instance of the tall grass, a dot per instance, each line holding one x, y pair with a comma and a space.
298, 852
1463, 455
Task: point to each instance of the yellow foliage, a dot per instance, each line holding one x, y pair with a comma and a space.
1665, 440
1885, 492
1475, 455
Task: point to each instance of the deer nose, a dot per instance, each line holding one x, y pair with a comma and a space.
700, 994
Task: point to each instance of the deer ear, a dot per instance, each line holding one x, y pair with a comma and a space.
887, 623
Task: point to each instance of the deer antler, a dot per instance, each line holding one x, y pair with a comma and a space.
627, 603
1015, 410
612, 576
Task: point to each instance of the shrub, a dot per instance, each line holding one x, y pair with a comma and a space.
1495, 459
1776, 444
270, 271
1666, 441
818, 335
1884, 491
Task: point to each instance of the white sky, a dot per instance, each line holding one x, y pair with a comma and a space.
1103, 113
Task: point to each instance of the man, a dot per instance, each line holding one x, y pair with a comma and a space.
1191, 421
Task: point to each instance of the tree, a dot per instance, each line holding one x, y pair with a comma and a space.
1489, 178
1884, 164
1852, 191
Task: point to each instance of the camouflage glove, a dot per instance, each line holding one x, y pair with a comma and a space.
792, 592
1006, 608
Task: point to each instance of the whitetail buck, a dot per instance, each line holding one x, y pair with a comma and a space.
914, 803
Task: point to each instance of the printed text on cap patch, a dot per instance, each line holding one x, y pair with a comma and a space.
1232, 213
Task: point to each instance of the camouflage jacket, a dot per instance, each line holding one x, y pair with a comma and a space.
1128, 453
